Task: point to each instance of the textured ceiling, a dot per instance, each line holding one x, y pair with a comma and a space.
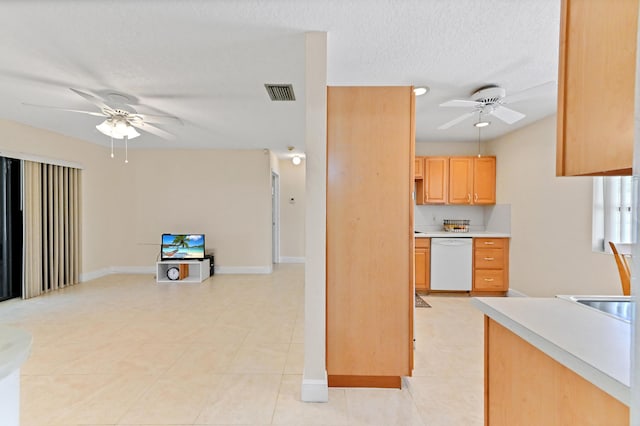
207, 61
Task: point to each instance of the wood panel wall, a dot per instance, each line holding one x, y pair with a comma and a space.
370, 161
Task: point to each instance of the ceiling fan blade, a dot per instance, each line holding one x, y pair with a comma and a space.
507, 115
160, 119
461, 103
153, 130
93, 99
96, 114
456, 120
547, 88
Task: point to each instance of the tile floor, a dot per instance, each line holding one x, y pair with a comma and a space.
123, 350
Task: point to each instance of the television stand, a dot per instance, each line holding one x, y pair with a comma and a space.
198, 270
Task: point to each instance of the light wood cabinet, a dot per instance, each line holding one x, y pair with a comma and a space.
472, 180
460, 180
422, 261
418, 168
457, 180
436, 172
596, 87
432, 187
370, 297
524, 386
484, 180
490, 265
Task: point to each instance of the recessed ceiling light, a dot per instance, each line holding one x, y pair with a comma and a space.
420, 90
482, 123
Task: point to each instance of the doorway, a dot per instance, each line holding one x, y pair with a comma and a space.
275, 217
10, 228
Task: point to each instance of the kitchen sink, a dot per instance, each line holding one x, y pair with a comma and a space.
617, 306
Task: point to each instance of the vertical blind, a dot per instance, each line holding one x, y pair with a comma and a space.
51, 227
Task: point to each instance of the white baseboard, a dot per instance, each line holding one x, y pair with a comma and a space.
151, 270
133, 270
315, 390
291, 259
94, 275
515, 293
244, 269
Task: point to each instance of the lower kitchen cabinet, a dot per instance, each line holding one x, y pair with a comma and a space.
490, 265
422, 262
525, 386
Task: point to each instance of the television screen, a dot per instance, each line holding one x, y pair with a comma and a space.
182, 246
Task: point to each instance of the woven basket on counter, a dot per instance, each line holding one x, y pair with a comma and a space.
456, 225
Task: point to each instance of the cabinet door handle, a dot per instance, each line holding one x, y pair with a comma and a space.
468, 198
489, 258
488, 279
489, 243
475, 197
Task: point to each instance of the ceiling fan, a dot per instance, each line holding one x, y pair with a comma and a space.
491, 100
121, 119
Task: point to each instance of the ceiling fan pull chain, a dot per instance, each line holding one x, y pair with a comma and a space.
111, 146
126, 148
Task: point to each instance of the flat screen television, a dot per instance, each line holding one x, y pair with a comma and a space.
182, 246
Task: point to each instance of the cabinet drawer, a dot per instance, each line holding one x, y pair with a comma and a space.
423, 242
486, 258
489, 279
489, 242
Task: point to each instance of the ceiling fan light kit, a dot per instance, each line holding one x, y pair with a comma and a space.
117, 130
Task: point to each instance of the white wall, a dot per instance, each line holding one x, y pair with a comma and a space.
292, 211
448, 149
224, 194
550, 218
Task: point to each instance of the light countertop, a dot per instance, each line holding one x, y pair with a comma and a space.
592, 344
15, 346
470, 234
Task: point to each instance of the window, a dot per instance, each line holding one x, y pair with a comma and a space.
612, 213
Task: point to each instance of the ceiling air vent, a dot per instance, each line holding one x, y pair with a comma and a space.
280, 92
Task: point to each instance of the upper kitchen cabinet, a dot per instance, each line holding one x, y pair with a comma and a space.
460, 180
484, 180
436, 171
472, 180
596, 86
417, 170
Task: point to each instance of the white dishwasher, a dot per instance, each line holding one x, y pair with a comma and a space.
451, 263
